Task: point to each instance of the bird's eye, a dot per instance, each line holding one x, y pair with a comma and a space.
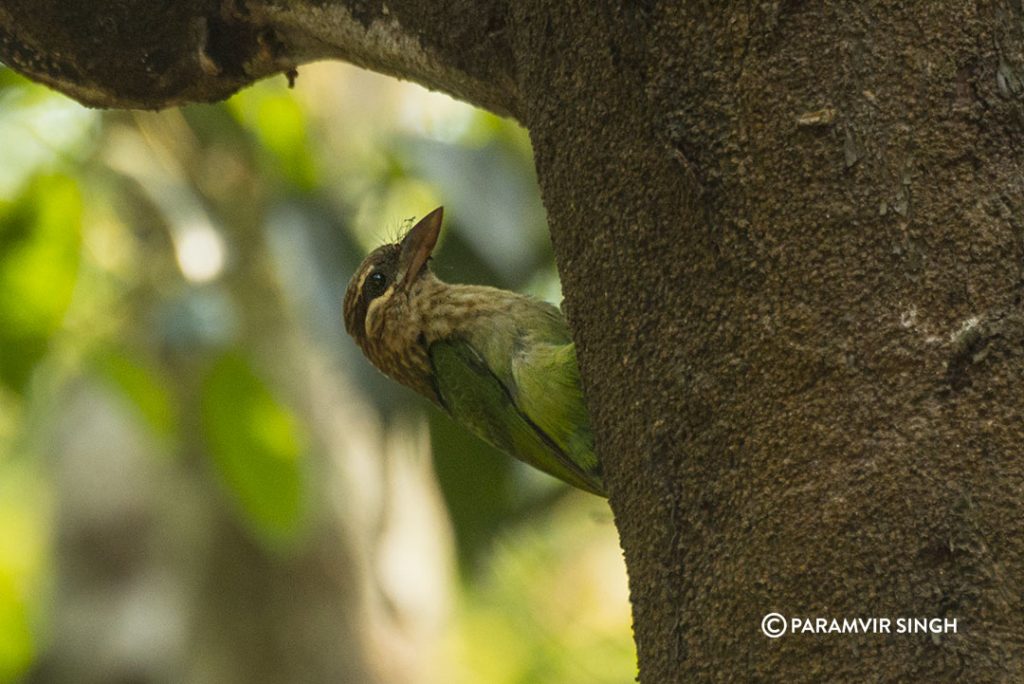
376, 283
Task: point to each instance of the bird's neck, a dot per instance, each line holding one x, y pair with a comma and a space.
432, 310
450, 310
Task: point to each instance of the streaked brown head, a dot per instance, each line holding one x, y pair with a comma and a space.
378, 312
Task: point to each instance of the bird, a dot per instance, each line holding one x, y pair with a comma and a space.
502, 364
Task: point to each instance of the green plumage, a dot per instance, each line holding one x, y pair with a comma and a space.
500, 363
520, 392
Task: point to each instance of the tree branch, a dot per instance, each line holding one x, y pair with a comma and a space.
128, 54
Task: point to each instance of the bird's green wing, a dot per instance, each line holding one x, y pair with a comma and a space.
547, 390
475, 397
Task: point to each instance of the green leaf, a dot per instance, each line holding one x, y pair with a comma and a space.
142, 386
40, 235
256, 446
280, 123
23, 556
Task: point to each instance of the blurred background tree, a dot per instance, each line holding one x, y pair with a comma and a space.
201, 479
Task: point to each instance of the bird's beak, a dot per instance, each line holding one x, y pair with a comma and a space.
417, 245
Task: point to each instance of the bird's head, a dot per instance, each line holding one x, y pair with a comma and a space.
380, 304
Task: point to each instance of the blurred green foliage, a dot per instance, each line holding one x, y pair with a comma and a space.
256, 446
23, 521
39, 247
144, 387
171, 256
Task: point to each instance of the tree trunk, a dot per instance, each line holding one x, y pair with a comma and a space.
791, 240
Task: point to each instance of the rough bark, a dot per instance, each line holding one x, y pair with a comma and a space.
791, 243
150, 54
